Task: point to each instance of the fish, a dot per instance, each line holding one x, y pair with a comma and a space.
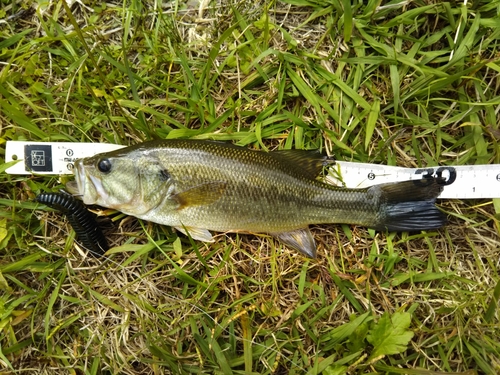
199, 186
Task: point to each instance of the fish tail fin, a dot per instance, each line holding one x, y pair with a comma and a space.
409, 205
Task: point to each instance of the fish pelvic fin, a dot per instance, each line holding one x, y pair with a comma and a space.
196, 233
300, 239
409, 205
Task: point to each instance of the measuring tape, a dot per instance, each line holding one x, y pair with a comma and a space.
54, 158
461, 182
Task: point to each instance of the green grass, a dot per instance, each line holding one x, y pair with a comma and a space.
403, 83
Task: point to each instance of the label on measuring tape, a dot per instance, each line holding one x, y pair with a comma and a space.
461, 182
53, 158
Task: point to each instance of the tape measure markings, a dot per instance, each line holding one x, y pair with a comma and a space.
461, 182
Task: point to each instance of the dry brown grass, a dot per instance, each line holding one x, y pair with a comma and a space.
159, 304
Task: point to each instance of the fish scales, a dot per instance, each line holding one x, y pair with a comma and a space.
197, 186
261, 194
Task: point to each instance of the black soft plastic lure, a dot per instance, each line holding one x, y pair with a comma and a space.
80, 218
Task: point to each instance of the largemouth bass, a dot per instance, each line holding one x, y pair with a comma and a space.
197, 186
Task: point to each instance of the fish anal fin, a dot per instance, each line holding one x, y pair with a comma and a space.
309, 163
299, 239
200, 195
196, 233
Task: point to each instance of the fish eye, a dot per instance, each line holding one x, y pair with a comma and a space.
104, 165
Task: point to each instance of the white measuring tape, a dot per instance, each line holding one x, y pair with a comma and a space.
53, 158
462, 182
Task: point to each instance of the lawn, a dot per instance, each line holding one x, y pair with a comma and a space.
406, 83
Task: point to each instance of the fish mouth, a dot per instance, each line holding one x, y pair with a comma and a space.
72, 188
99, 193
87, 186
80, 187
77, 187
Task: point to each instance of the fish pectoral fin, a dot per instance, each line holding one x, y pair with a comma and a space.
196, 233
300, 239
200, 195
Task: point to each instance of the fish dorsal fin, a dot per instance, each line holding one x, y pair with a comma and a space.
309, 163
200, 195
300, 239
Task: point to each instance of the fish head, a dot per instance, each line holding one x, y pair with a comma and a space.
130, 183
